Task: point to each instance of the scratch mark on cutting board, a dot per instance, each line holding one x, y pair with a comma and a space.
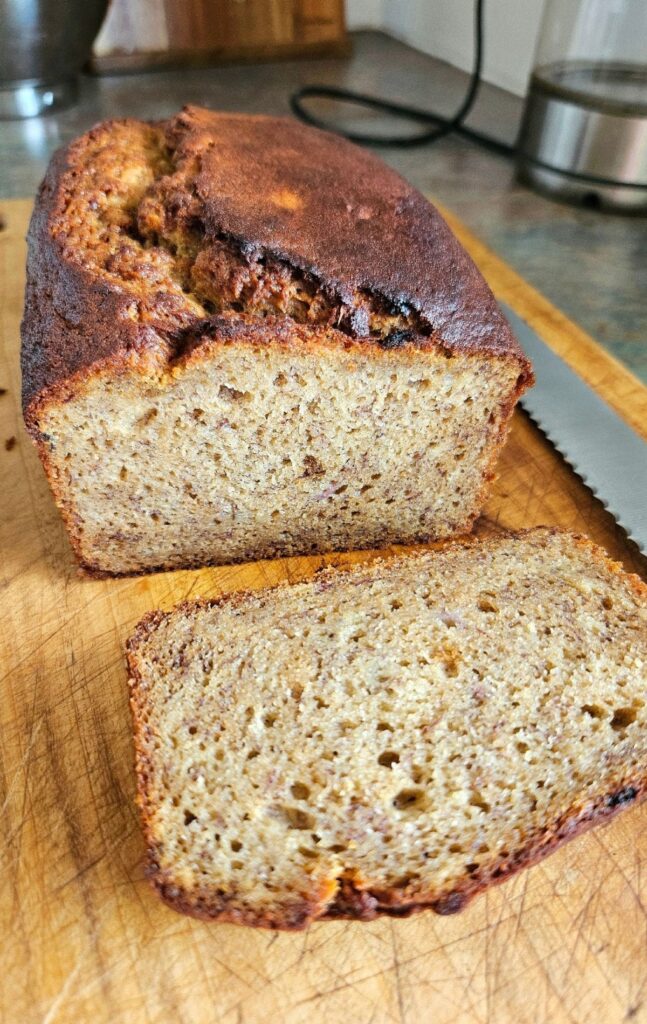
396, 972
61, 995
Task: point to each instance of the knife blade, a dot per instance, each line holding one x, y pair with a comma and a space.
606, 453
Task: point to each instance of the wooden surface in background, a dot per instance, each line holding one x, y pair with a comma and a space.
139, 34
82, 937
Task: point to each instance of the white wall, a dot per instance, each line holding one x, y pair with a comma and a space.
364, 13
444, 28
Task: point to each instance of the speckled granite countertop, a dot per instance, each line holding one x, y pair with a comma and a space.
591, 265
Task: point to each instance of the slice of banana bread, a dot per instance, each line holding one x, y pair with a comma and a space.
244, 338
391, 737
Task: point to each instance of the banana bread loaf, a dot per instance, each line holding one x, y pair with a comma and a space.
244, 338
388, 738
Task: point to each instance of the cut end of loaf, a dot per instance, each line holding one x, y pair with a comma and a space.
391, 737
249, 450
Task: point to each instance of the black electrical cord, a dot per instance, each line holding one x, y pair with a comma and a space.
442, 125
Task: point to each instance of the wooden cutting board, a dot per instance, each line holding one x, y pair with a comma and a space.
82, 936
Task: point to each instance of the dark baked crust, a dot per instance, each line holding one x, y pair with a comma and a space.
71, 319
365, 904
278, 189
355, 899
336, 211
350, 896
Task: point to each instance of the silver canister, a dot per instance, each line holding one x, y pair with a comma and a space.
584, 132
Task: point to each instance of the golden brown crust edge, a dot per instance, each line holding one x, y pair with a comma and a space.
363, 903
352, 898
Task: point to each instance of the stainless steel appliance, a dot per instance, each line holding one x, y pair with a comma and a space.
584, 134
43, 45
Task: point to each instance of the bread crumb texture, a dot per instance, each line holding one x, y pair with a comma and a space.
256, 453
391, 737
257, 407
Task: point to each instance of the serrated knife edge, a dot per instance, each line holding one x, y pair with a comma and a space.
599, 446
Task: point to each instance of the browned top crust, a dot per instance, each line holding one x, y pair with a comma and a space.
143, 232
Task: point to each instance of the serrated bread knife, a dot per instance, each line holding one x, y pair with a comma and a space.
609, 457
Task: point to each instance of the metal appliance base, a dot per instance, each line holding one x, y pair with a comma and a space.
571, 188
587, 147
32, 99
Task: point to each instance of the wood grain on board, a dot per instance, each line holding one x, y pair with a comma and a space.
82, 938
140, 34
